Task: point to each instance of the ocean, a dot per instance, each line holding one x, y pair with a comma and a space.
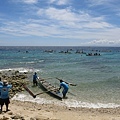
95, 70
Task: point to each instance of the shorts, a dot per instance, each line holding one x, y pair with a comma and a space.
4, 101
65, 91
35, 82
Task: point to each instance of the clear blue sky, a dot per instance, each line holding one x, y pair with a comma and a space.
60, 22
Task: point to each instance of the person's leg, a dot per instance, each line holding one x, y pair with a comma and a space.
33, 82
64, 93
7, 101
6, 107
1, 107
36, 83
1, 103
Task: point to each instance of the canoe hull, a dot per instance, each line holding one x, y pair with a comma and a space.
52, 90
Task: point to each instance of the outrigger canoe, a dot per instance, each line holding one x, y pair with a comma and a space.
50, 88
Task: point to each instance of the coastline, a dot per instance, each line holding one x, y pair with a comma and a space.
33, 111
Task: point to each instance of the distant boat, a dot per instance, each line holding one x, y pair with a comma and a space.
93, 54
49, 51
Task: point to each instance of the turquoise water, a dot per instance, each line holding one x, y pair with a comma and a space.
97, 77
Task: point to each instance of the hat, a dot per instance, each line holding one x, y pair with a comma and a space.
61, 80
5, 82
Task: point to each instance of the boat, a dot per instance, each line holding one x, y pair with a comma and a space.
52, 90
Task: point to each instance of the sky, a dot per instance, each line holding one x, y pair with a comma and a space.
60, 23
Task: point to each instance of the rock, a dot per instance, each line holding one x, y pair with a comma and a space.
10, 113
4, 118
16, 72
18, 117
32, 119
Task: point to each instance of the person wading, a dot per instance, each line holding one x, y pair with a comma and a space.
35, 82
65, 88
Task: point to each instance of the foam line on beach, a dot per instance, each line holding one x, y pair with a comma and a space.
23, 97
75, 103
65, 102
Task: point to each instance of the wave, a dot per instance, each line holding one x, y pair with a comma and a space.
65, 102
31, 62
22, 70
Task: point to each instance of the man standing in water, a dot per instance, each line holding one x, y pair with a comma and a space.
35, 82
65, 88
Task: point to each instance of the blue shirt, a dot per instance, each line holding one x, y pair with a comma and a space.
1, 83
5, 91
64, 85
34, 77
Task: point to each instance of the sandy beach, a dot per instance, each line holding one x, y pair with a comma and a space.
33, 111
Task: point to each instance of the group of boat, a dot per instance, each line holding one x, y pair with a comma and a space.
93, 53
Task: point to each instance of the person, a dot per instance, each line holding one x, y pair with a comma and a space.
1, 83
35, 82
65, 88
5, 95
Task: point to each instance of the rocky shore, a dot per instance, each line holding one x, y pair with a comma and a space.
16, 79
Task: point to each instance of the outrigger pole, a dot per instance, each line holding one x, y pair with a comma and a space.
29, 91
34, 95
67, 82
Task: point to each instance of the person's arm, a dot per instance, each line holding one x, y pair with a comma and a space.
9, 86
1, 83
59, 87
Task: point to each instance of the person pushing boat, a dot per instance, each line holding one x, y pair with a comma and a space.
35, 78
65, 87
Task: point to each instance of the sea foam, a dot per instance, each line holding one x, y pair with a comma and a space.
22, 70
64, 102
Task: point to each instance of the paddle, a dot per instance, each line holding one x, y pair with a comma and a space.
67, 82
44, 78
